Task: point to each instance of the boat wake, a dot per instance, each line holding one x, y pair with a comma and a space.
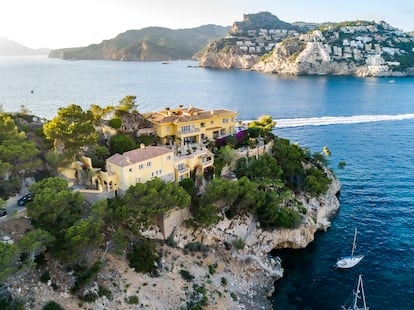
335, 120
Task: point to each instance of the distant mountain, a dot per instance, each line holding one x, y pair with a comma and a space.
148, 44
12, 48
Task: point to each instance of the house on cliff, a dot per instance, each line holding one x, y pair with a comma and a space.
191, 125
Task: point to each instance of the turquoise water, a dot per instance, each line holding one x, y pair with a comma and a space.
368, 123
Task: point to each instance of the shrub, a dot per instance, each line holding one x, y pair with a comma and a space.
223, 281
89, 297
186, 275
115, 123
238, 243
45, 276
196, 247
52, 305
212, 268
104, 291
143, 257
133, 300
85, 275
171, 242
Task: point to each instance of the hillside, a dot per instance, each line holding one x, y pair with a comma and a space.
148, 44
12, 48
360, 48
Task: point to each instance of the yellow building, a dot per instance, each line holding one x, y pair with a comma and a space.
147, 162
141, 165
191, 125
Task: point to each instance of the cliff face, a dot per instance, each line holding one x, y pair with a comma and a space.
359, 48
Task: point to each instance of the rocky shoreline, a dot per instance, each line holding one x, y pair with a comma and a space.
227, 277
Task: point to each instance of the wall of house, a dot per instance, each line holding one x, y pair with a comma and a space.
141, 172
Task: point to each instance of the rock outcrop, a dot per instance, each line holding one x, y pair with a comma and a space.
356, 48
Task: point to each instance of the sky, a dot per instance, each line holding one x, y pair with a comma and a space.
72, 23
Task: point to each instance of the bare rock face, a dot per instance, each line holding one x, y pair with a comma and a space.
227, 59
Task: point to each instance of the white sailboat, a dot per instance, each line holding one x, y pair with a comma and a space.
350, 260
359, 294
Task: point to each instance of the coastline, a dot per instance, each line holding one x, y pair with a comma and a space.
249, 273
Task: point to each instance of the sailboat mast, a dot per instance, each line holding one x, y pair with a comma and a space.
362, 292
353, 244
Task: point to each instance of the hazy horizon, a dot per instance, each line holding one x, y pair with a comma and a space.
49, 24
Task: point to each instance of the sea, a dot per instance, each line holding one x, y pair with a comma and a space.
366, 123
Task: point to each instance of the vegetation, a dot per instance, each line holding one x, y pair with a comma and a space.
70, 230
142, 256
52, 305
121, 143
154, 198
70, 130
160, 44
18, 156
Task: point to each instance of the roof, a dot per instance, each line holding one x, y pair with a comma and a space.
138, 155
185, 115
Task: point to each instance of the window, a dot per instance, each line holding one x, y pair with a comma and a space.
169, 157
202, 125
148, 164
211, 122
225, 120
141, 166
187, 128
180, 167
130, 169
167, 128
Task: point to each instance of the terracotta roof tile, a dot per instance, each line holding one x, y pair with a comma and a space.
138, 155
185, 115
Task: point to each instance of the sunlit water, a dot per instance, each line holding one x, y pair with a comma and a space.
367, 123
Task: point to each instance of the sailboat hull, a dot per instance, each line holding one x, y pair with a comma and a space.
348, 261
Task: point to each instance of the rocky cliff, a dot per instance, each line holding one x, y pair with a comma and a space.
358, 48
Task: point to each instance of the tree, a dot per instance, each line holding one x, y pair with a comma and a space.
18, 156
115, 123
189, 185
155, 198
273, 214
121, 143
84, 236
264, 167
265, 124
9, 260
54, 208
222, 192
143, 256
34, 242
316, 181
127, 104
248, 199
71, 129
290, 157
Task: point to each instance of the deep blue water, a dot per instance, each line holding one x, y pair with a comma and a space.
371, 128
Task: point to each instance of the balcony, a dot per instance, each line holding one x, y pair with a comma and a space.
191, 131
